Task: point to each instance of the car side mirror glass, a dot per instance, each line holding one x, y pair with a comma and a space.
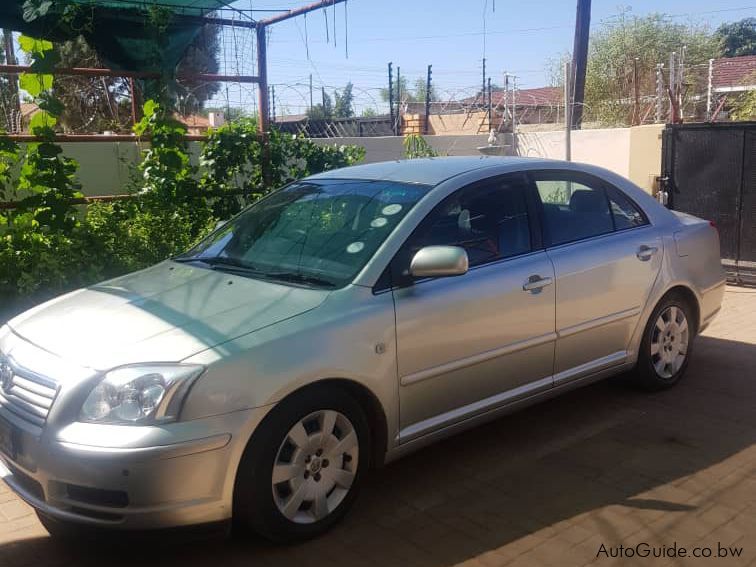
439, 261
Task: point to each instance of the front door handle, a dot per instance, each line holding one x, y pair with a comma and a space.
645, 253
536, 283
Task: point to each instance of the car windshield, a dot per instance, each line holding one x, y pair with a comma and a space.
316, 233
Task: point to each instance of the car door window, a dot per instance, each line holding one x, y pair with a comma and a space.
489, 220
573, 209
626, 214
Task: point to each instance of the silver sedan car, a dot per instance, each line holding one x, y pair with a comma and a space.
338, 324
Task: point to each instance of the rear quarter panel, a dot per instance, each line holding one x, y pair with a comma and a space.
697, 259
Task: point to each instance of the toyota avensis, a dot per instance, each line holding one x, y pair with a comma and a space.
337, 324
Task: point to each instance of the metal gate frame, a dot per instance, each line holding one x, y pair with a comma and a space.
723, 157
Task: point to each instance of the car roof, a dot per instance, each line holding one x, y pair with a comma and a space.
427, 171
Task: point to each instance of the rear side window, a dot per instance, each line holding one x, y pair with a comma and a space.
626, 214
573, 210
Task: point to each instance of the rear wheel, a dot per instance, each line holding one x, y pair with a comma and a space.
301, 472
667, 344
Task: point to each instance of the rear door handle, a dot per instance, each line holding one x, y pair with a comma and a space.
645, 253
535, 283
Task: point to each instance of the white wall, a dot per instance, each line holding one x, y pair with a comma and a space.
105, 166
609, 148
387, 148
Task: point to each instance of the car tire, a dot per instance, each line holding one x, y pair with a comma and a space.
667, 344
302, 469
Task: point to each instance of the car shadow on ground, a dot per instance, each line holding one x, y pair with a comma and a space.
594, 466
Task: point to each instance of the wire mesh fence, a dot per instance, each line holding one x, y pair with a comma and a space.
458, 105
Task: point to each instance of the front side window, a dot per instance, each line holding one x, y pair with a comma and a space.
573, 210
489, 220
319, 232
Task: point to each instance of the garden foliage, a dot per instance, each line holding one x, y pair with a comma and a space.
49, 245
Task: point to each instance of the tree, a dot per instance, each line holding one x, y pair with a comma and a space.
744, 107
201, 57
322, 111
406, 94
650, 39
738, 38
344, 102
95, 104
555, 69
420, 85
90, 104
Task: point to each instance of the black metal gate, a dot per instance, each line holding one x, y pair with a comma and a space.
710, 172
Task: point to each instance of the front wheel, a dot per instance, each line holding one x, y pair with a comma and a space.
302, 470
667, 344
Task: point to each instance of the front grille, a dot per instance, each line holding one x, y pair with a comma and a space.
28, 395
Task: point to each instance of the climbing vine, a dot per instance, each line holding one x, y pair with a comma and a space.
231, 160
48, 179
49, 245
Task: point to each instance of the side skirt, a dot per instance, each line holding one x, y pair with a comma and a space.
415, 444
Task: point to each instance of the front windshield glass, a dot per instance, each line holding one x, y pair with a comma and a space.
318, 232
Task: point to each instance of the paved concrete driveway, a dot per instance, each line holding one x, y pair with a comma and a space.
547, 486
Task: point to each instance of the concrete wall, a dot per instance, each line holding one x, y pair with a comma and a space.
609, 148
389, 148
103, 168
631, 152
646, 155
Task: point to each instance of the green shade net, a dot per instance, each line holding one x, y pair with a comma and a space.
123, 32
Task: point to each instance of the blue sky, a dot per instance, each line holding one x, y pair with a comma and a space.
521, 37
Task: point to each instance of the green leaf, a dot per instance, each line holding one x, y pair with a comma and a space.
41, 122
51, 104
45, 61
32, 45
49, 150
35, 84
150, 107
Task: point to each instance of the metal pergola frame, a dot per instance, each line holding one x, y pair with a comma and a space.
261, 79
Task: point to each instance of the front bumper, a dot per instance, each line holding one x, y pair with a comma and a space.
136, 480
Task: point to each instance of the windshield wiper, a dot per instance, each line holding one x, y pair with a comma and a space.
298, 278
232, 265
223, 264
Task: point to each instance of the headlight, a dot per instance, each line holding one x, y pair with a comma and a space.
140, 395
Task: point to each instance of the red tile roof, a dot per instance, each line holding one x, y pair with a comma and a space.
734, 71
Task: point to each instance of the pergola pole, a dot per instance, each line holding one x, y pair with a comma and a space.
10, 59
262, 80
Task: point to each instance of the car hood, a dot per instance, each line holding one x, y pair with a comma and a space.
162, 314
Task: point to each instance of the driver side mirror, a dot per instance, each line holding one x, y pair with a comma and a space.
439, 261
